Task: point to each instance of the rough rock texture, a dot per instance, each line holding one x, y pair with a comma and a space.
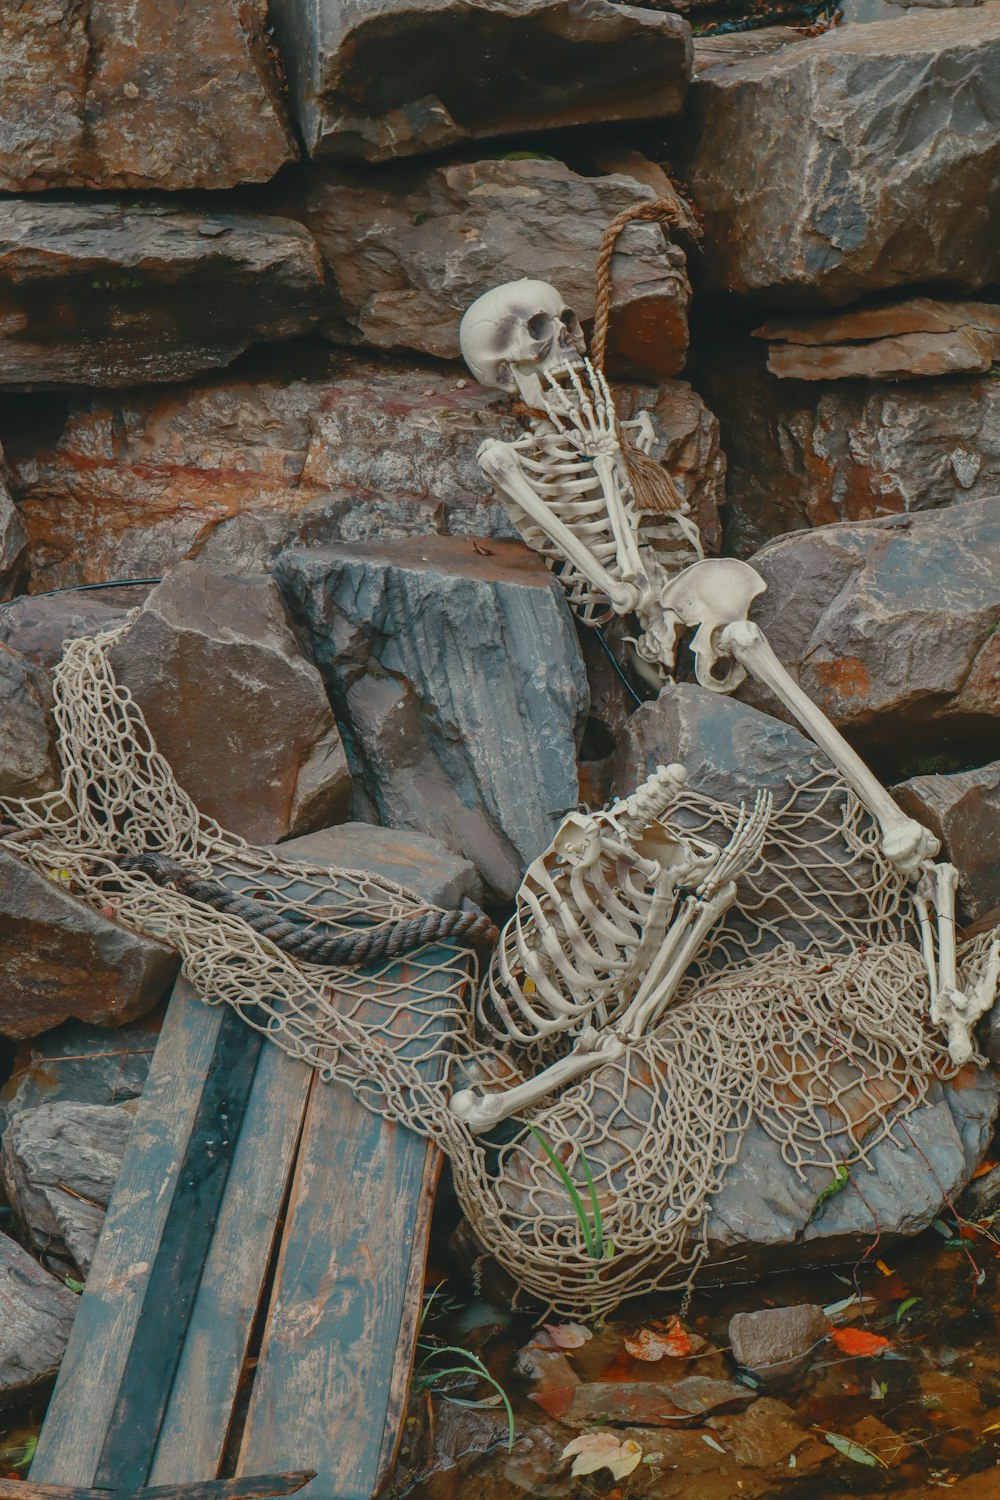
240, 714
964, 811
891, 627
60, 959
373, 79
28, 761
420, 863
59, 1164
653, 1403
776, 1342
863, 159
310, 446
458, 685
36, 1315
688, 444
180, 97
13, 540
804, 455
81, 1063
37, 625
111, 295
411, 251
899, 341
763, 1219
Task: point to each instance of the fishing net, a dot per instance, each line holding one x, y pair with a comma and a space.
805, 1014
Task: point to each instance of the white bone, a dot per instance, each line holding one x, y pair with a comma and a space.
484, 1111
953, 1009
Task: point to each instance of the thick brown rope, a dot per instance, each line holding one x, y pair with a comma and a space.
653, 487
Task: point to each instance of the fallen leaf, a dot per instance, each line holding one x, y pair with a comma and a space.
602, 1450
568, 1335
855, 1451
857, 1341
881, 1265
650, 1344
483, 551
983, 1168
904, 1308
712, 1443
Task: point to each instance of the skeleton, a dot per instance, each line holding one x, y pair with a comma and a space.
566, 487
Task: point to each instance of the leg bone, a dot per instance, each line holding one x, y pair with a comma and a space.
483, 1111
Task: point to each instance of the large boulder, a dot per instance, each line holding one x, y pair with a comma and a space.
306, 446
411, 250
891, 627
60, 959
457, 681
841, 164
373, 79
233, 704
28, 761
803, 454
178, 97
106, 294
38, 625
59, 1164
421, 864
36, 1316
963, 810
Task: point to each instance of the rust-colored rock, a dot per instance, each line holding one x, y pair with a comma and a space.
410, 251
165, 95
233, 704
900, 341
112, 295
373, 79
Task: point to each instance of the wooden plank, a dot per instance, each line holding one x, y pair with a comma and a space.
258, 1487
82, 1405
197, 1419
335, 1365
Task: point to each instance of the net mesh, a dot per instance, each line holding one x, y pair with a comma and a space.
805, 1013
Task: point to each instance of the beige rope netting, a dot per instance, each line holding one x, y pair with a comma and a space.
805, 1016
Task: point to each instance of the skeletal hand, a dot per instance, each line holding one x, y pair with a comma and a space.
908, 845
588, 423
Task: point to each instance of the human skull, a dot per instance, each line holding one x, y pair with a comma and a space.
517, 331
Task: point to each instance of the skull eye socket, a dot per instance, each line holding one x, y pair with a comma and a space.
568, 316
539, 326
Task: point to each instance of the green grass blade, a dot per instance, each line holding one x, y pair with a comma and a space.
571, 1189
598, 1219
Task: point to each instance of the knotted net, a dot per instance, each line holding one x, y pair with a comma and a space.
804, 1016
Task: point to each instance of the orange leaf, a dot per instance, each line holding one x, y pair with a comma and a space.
650, 1345
983, 1168
856, 1341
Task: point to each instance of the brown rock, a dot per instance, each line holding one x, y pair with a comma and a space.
776, 1342
37, 625
13, 541
963, 809
233, 704
891, 627
420, 863
28, 761
372, 79
60, 959
105, 294
411, 251
36, 1315
652, 1403
900, 341
177, 98
309, 446
835, 165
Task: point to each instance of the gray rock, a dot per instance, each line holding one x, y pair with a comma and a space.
59, 1165
60, 959
13, 541
28, 761
458, 685
891, 627
177, 98
36, 1315
776, 1342
106, 295
411, 251
373, 79
238, 711
420, 863
37, 625
80, 1063
963, 809
886, 135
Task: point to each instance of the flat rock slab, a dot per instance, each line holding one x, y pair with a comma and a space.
62, 960
412, 250
111, 295
891, 627
177, 98
36, 1315
59, 1165
80, 1063
458, 686
241, 715
38, 625
963, 810
900, 341
652, 1403
812, 160
422, 864
374, 79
